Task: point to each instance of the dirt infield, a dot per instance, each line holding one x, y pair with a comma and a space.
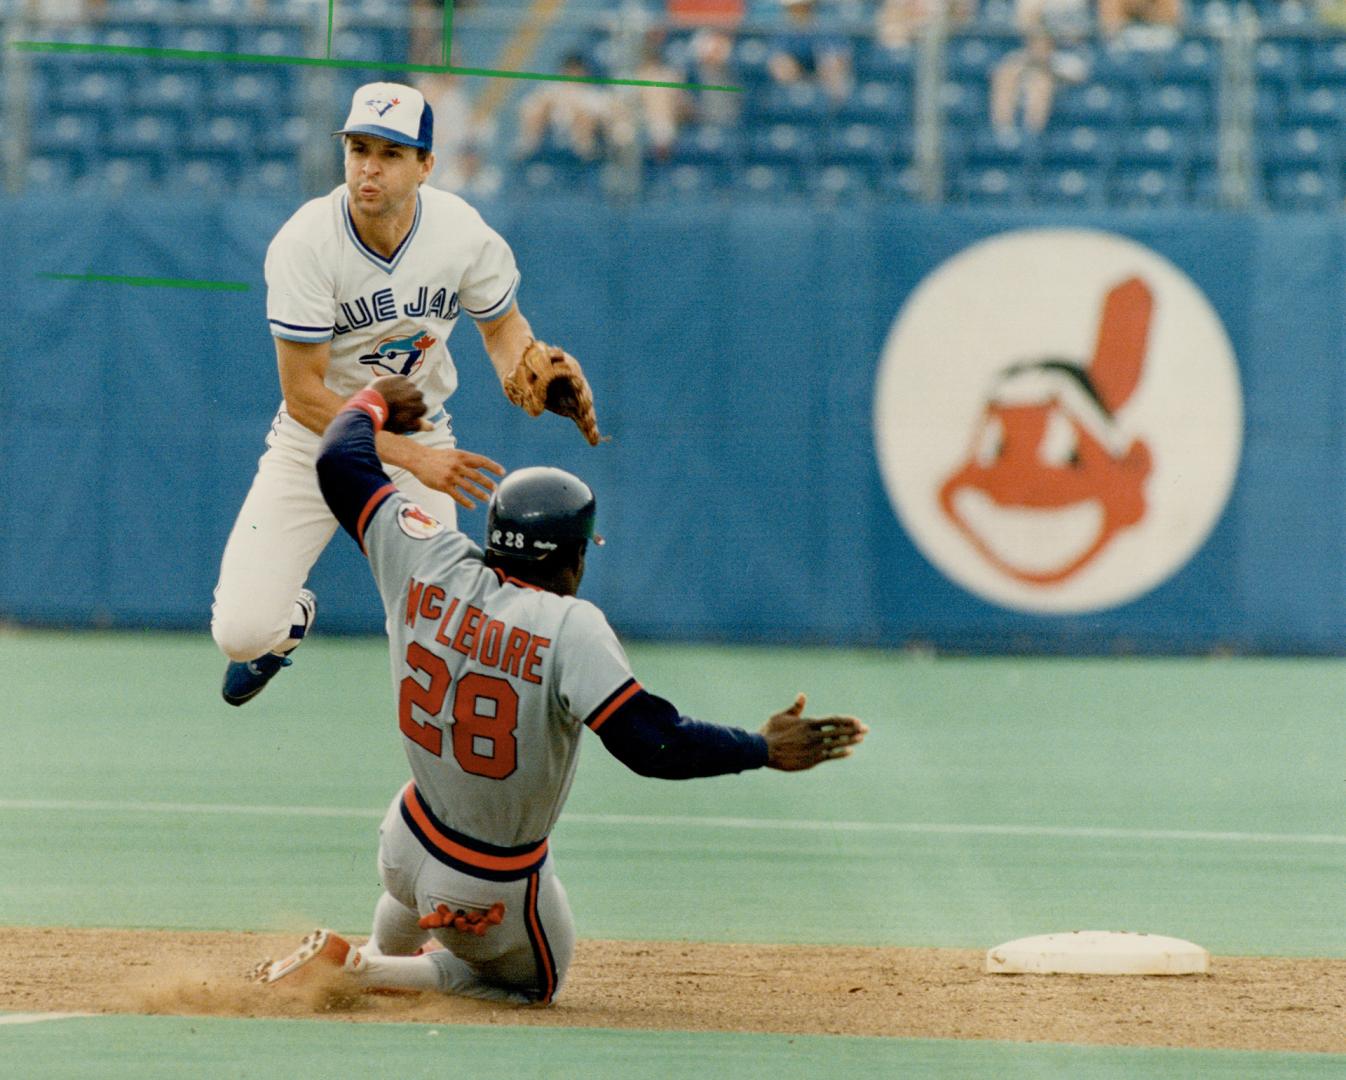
1244, 1003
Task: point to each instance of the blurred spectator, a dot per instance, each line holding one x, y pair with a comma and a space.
663, 109
712, 64
897, 23
578, 115
808, 53
1140, 23
1027, 78
459, 138
62, 11
427, 29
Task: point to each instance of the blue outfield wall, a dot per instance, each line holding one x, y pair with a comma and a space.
734, 352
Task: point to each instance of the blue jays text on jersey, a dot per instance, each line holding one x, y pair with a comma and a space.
382, 306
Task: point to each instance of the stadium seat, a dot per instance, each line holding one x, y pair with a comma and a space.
1304, 148
214, 38
1149, 188
50, 171
841, 183
900, 183
207, 176
272, 176
178, 93
783, 144
877, 63
1277, 63
67, 133
965, 103
751, 53
1095, 104
989, 148
769, 179
685, 180
276, 40
1156, 146
991, 186
117, 174
972, 57
1292, 188
706, 144
126, 34
876, 103
1317, 106
1195, 62
800, 103
1069, 186
102, 92
151, 135
1173, 104
1080, 146
1327, 63
284, 139
865, 147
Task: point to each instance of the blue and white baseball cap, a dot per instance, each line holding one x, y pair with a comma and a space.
391, 111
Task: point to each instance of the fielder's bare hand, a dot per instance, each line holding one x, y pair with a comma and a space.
406, 405
795, 741
460, 474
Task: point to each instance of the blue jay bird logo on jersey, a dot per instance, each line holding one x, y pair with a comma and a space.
399, 356
380, 106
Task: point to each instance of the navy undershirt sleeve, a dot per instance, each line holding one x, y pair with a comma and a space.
350, 473
649, 737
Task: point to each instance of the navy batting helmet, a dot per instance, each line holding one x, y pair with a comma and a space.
536, 510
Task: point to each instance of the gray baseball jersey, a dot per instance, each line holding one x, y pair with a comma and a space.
494, 680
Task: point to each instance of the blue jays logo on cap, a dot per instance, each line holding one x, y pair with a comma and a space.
391, 111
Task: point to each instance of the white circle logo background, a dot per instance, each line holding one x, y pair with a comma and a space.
1032, 295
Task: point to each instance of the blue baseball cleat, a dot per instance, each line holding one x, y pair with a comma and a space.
244, 680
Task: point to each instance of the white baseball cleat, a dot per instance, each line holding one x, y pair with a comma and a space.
326, 948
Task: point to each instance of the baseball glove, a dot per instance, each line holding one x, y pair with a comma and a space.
548, 377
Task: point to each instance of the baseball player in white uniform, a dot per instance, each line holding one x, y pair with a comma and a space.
366, 281
497, 670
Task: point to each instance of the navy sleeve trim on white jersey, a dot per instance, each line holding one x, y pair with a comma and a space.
499, 306
311, 335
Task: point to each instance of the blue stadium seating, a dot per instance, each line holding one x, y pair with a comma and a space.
841, 183
783, 144
686, 180
1070, 186
1093, 103
1144, 187
991, 186
1082, 146
991, 149
1301, 188
800, 103
707, 145
1140, 130
876, 103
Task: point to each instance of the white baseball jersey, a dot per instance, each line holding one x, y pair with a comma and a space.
495, 680
388, 316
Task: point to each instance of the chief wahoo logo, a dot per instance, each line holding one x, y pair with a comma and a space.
1050, 480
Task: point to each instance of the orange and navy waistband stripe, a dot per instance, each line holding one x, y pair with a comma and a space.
612, 703
375, 501
537, 938
465, 854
